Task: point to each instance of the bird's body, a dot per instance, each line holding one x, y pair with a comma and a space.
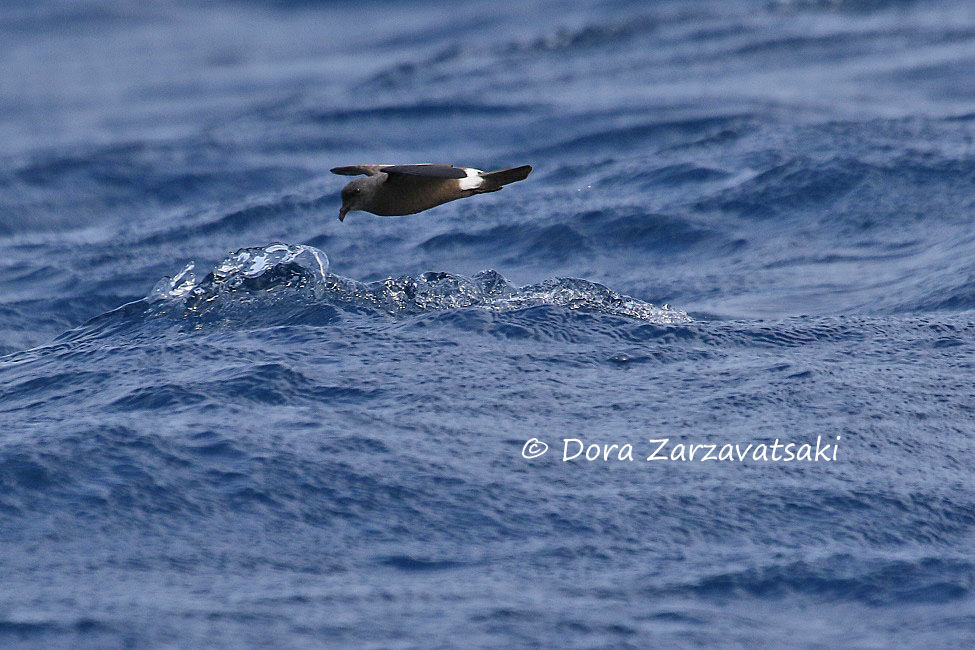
394, 190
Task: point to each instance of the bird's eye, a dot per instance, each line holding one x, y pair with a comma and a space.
356, 190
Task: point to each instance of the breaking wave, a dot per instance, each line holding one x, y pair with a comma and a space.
251, 274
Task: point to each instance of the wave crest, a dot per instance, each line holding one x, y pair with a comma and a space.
273, 269
274, 266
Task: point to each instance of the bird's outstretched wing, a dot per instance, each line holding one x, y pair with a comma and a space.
427, 171
357, 170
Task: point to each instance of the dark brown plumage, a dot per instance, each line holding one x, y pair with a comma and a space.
393, 190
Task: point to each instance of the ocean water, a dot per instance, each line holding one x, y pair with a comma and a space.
229, 420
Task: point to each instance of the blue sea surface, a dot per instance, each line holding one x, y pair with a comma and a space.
229, 420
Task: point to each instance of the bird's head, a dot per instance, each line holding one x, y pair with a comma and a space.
354, 196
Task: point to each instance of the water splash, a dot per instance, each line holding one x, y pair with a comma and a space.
274, 267
254, 272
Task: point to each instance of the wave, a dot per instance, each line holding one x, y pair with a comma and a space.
846, 578
264, 272
596, 34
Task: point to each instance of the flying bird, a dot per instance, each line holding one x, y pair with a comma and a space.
393, 190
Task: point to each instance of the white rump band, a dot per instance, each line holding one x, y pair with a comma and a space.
473, 180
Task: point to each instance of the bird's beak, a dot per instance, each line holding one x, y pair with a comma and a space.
342, 213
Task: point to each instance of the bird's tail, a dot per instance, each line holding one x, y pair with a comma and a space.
493, 181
